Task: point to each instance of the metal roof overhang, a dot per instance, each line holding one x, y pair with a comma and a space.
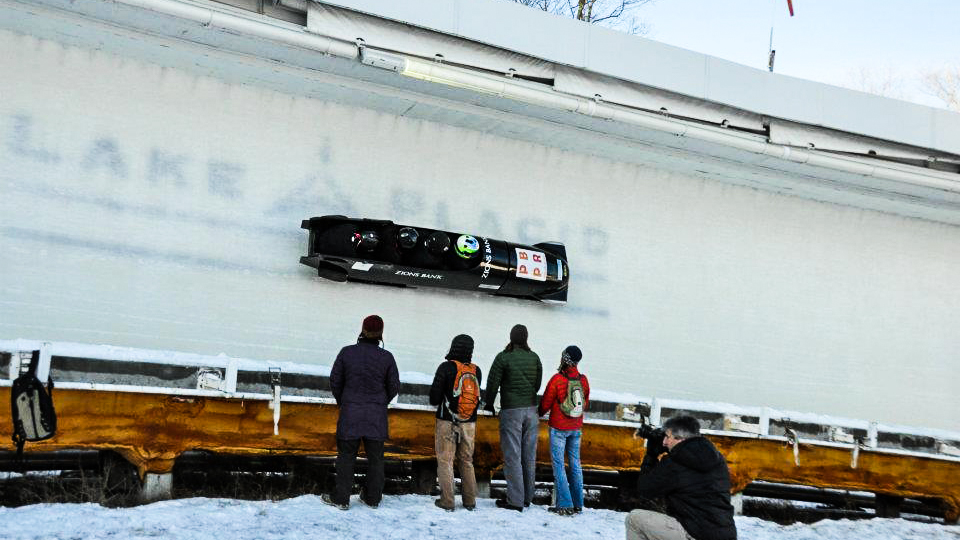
594, 51
242, 47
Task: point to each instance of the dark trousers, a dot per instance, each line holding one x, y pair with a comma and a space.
347, 458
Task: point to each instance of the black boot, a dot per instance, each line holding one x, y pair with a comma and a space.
327, 499
363, 499
502, 503
561, 511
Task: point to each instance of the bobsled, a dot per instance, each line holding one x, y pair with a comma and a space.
379, 251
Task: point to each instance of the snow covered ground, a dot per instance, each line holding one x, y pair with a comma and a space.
404, 516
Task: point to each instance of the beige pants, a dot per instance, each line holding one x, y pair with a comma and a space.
448, 449
650, 525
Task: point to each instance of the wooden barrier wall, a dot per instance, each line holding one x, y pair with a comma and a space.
151, 430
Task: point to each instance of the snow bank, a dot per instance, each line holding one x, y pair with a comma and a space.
399, 517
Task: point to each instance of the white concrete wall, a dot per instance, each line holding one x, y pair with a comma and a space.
152, 207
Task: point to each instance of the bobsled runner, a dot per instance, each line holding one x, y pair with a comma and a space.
378, 251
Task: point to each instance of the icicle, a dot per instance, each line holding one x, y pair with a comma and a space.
795, 441
275, 403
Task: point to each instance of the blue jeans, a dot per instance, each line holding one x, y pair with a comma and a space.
569, 492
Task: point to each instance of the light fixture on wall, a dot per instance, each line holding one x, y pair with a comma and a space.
382, 60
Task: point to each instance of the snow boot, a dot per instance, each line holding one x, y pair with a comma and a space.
502, 503
328, 499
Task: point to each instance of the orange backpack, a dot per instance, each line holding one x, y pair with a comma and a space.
466, 390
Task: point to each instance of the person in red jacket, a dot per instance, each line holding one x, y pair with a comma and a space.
566, 398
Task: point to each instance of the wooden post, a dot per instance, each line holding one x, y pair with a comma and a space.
423, 476
888, 506
483, 483
627, 489
737, 501
156, 487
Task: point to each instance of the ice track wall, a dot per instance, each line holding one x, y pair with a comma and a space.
159, 207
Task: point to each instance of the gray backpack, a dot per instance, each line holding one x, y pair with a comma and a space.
34, 418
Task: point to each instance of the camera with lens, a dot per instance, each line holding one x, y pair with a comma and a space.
650, 432
654, 446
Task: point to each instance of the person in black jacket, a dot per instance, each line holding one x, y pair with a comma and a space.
364, 379
457, 400
694, 481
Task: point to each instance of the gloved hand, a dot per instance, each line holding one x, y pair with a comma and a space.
654, 452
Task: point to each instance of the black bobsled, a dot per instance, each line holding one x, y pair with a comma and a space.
377, 251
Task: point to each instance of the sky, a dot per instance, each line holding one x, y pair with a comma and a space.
398, 517
825, 41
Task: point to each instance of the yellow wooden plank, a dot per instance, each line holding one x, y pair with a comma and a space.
151, 430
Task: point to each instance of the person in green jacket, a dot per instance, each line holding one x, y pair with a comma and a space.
516, 373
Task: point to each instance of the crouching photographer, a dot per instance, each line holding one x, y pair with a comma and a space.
690, 475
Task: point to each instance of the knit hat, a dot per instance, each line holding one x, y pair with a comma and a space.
461, 348
373, 327
571, 355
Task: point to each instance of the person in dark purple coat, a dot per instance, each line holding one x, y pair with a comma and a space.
364, 379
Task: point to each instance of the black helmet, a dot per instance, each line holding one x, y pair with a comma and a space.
365, 241
437, 243
407, 237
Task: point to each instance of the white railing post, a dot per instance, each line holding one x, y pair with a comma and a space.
230, 378
43, 367
872, 430
15, 364
765, 421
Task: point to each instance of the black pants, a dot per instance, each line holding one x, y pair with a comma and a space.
347, 458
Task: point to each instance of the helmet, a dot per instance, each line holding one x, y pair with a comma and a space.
467, 246
437, 243
407, 237
365, 241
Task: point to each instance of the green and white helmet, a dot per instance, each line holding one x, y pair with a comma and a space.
467, 246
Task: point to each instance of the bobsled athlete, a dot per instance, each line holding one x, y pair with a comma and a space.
365, 242
465, 253
364, 379
693, 479
407, 238
429, 252
339, 239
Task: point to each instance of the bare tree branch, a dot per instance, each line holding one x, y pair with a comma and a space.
944, 84
618, 14
881, 81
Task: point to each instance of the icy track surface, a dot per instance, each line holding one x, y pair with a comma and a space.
406, 516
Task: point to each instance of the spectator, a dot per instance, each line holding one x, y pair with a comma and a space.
516, 373
456, 393
364, 379
566, 398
